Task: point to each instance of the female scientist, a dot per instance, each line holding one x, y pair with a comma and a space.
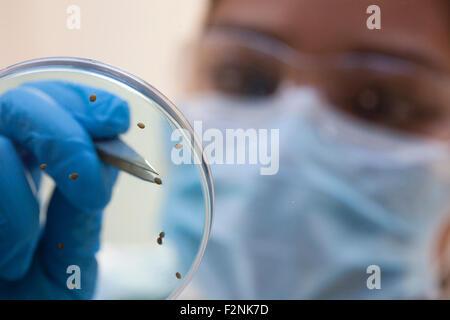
362, 193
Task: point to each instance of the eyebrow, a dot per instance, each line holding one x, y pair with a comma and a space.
416, 57
239, 27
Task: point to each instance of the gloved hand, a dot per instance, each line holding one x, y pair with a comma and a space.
53, 123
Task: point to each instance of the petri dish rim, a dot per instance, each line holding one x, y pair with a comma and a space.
162, 101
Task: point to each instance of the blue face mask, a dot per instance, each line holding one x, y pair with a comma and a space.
347, 196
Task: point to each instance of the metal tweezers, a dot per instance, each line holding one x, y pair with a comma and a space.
123, 157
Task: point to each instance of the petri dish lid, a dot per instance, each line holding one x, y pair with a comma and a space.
153, 236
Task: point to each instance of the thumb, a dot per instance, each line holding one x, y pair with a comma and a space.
72, 238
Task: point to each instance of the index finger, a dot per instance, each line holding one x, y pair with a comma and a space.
101, 113
34, 120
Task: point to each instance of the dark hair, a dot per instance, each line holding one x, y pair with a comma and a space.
445, 3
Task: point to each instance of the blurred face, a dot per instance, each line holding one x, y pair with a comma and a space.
396, 77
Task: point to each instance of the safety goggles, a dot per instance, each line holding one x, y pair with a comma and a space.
385, 90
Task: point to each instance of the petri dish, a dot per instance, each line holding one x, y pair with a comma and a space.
134, 261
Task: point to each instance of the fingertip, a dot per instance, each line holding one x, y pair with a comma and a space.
106, 116
109, 174
111, 116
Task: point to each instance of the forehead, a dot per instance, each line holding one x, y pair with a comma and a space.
415, 26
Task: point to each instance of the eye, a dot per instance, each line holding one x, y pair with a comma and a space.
374, 104
390, 107
241, 80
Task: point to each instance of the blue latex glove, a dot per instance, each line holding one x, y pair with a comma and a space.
53, 123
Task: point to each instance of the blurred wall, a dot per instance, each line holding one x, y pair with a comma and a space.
144, 37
